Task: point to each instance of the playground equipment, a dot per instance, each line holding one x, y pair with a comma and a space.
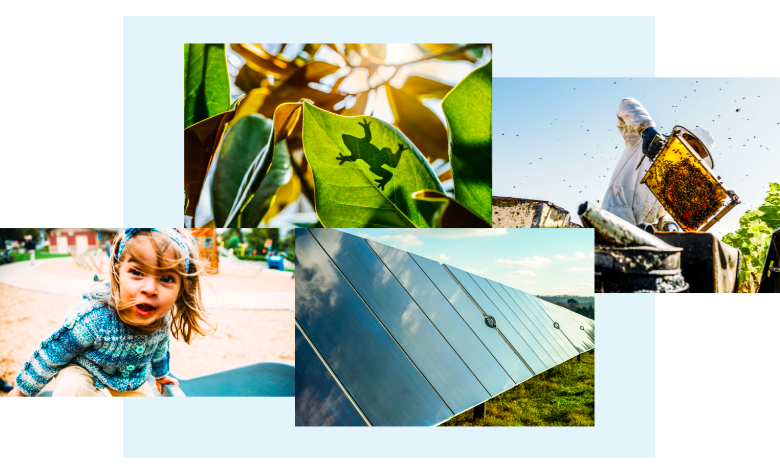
274, 378
276, 262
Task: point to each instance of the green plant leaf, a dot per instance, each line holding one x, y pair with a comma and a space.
468, 109
365, 171
206, 82
285, 119
242, 143
418, 123
442, 211
201, 141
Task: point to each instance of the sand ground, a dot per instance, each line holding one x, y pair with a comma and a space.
242, 337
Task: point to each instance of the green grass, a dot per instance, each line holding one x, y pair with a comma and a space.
561, 396
21, 257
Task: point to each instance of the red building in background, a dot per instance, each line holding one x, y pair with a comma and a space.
64, 240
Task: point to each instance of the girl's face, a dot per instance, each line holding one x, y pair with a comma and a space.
154, 291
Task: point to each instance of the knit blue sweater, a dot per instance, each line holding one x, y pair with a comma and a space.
94, 338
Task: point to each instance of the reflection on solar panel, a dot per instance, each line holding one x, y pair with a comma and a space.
388, 338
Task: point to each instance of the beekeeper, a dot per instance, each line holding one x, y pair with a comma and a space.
627, 197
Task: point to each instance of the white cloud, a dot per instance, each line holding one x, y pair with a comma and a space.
457, 233
473, 270
577, 256
443, 257
519, 273
579, 269
532, 262
403, 239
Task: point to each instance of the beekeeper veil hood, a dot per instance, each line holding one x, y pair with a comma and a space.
709, 142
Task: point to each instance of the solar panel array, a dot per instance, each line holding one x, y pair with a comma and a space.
385, 337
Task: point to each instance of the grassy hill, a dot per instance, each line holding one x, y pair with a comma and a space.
561, 396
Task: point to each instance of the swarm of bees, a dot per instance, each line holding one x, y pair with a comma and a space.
690, 196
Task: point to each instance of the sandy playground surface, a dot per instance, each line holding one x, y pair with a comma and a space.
243, 336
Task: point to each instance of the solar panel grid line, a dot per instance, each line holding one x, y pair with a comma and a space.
423, 311
541, 335
484, 366
514, 322
498, 331
544, 322
383, 325
373, 372
566, 323
527, 323
503, 326
534, 301
564, 326
549, 332
574, 322
321, 360
474, 318
411, 329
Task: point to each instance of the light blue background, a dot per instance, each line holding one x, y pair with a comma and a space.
153, 71
264, 427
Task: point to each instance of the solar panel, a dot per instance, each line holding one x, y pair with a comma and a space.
389, 338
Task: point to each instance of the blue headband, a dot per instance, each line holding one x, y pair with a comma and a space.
170, 232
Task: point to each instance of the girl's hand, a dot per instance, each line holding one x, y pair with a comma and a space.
163, 381
16, 393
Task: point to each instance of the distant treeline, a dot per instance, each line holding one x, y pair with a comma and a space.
584, 300
583, 305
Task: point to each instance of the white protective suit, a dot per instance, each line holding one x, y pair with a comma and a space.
627, 197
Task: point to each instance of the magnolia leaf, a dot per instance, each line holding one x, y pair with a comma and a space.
468, 109
365, 171
243, 142
261, 61
248, 79
278, 174
296, 88
359, 108
287, 194
442, 211
206, 82
426, 88
285, 118
418, 123
200, 143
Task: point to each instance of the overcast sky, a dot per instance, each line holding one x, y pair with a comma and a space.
537, 261
556, 139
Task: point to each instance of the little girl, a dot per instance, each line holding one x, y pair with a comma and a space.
118, 334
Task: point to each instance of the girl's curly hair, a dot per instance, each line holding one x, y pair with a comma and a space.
188, 316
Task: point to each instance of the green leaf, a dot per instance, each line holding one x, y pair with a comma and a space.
201, 141
285, 119
206, 82
242, 143
442, 211
418, 123
468, 109
365, 171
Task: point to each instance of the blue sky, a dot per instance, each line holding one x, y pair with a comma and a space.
555, 139
537, 261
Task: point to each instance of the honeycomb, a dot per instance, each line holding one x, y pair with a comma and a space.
684, 186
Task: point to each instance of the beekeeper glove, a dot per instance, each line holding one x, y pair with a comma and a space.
651, 151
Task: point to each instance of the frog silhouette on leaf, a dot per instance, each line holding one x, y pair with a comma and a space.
377, 159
